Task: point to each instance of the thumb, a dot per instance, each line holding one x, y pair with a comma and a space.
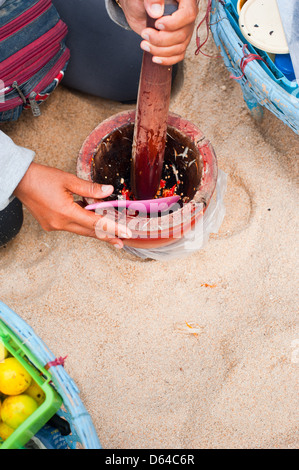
87, 189
155, 8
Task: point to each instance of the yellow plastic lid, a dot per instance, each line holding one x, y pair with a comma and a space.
261, 25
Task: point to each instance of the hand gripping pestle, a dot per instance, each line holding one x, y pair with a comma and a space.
151, 121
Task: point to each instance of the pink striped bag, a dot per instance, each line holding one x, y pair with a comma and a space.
33, 55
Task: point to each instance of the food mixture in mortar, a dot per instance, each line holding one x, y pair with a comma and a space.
181, 173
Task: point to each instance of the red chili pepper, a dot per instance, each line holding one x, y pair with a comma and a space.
125, 192
171, 191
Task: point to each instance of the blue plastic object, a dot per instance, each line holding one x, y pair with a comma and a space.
284, 63
50, 438
263, 84
83, 432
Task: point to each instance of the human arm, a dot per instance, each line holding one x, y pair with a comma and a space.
48, 194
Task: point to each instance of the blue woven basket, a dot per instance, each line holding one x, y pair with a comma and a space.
83, 433
263, 85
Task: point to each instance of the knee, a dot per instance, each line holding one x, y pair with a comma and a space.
11, 220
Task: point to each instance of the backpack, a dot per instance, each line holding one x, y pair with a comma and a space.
33, 55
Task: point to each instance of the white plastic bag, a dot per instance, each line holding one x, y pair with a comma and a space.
196, 238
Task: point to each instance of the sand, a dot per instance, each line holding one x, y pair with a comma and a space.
122, 321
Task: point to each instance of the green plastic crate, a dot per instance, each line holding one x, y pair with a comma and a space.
42, 377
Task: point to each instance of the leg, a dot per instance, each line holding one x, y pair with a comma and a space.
11, 220
105, 58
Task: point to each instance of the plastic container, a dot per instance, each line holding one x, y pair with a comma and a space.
269, 67
284, 63
261, 25
240, 5
42, 377
263, 84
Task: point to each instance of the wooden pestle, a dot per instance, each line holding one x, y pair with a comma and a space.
151, 121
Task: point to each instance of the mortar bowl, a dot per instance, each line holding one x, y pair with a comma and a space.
105, 157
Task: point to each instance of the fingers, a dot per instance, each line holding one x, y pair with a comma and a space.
184, 16
165, 55
110, 228
165, 38
168, 43
85, 232
97, 224
82, 222
86, 223
155, 8
89, 224
87, 189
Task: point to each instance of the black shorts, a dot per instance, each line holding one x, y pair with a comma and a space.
11, 220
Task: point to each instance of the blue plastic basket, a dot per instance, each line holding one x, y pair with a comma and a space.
83, 433
263, 85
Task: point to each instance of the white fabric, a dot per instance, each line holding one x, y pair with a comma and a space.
116, 14
14, 162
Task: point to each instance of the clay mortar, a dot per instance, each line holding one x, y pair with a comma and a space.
105, 158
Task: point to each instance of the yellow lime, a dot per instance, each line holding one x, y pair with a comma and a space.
3, 351
5, 431
36, 392
14, 378
16, 409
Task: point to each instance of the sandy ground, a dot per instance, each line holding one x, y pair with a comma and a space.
120, 320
